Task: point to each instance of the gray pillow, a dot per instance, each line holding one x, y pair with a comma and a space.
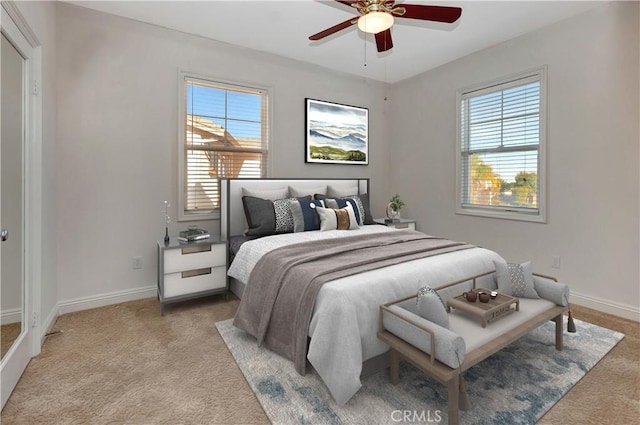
515, 279
431, 307
270, 194
341, 192
260, 216
298, 192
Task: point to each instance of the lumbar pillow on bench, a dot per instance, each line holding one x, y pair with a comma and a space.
515, 279
431, 307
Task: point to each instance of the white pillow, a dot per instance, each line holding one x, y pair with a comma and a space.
299, 192
270, 194
431, 307
337, 219
515, 279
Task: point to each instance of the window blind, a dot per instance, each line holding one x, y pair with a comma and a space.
500, 134
225, 136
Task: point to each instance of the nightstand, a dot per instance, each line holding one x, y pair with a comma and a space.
191, 270
403, 223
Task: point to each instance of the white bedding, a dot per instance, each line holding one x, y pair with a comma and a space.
345, 318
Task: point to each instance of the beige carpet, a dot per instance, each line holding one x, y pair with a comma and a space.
127, 364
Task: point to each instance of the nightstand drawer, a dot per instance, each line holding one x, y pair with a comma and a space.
176, 284
194, 257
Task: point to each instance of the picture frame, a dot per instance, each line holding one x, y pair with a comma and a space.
336, 133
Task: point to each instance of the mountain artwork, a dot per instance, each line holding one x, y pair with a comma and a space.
336, 133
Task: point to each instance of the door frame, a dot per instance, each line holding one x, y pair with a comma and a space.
29, 342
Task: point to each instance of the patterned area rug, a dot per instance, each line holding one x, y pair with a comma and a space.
517, 385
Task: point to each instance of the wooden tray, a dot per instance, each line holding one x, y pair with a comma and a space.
486, 312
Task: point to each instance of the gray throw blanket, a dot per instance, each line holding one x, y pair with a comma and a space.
278, 300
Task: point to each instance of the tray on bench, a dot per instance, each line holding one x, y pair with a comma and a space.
486, 312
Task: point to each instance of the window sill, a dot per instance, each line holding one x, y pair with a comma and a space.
504, 215
215, 215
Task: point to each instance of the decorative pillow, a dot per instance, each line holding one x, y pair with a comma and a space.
304, 214
270, 194
296, 193
343, 202
515, 279
431, 307
368, 218
284, 216
341, 192
337, 219
260, 215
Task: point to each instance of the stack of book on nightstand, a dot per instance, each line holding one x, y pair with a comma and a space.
193, 234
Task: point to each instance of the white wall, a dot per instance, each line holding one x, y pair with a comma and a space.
117, 140
593, 151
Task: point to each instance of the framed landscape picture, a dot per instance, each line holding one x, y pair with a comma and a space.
336, 134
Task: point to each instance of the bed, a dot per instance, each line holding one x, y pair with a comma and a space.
342, 341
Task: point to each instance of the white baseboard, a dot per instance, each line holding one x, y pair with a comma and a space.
606, 306
86, 303
13, 315
48, 323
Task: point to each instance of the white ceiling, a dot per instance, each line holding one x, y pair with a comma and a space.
283, 27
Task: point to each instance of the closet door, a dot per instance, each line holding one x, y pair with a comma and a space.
16, 339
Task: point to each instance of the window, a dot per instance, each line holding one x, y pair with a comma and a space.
224, 134
500, 159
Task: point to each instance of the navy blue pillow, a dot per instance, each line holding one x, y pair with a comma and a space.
305, 216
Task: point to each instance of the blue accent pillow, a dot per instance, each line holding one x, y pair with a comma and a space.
305, 216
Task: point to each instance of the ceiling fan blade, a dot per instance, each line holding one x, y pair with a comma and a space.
347, 2
383, 40
430, 13
333, 29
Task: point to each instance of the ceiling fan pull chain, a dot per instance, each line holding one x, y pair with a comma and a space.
364, 44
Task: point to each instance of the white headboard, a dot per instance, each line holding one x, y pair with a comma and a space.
232, 219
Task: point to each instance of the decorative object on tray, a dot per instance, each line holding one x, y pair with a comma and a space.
470, 296
394, 207
486, 311
167, 220
336, 134
483, 297
193, 234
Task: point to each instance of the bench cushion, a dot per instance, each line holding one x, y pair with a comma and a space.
474, 335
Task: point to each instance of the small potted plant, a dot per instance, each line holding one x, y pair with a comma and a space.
394, 207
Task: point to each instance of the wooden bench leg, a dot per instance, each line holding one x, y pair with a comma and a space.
394, 367
453, 393
558, 320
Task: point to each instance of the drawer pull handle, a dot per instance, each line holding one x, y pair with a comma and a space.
198, 272
195, 249
402, 226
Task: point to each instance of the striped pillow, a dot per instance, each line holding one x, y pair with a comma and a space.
337, 219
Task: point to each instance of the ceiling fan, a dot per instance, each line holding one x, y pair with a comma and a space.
376, 17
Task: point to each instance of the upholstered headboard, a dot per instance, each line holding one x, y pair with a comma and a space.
232, 219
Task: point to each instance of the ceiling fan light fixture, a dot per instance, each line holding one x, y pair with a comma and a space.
375, 22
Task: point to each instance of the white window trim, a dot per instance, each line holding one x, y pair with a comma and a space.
182, 74
508, 213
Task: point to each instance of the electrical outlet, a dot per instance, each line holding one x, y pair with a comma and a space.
136, 263
555, 261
